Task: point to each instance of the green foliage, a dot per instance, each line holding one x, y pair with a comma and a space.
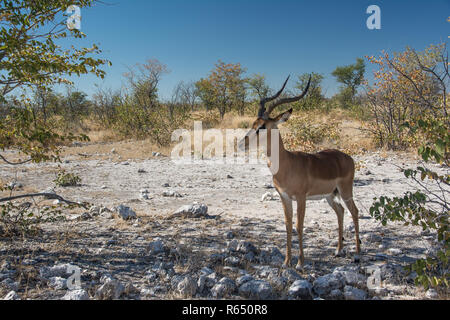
30, 57
24, 219
351, 77
65, 179
29, 52
412, 209
20, 129
428, 268
429, 210
258, 86
315, 98
432, 135
224, 89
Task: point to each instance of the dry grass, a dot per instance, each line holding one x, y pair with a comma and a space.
353, 138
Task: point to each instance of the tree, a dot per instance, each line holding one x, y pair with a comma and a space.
224, 88
76, 105
105, 102
206, 93
143, 80
30, 56
258, 86
351, 77
29, 53
189, 94
315, 97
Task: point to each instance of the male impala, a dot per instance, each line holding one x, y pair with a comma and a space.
302, 176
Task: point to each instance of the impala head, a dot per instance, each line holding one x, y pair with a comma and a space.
264, 121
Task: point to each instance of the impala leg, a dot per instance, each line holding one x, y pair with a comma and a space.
355, 215
287, 206
301, 208
340, 216
346, 193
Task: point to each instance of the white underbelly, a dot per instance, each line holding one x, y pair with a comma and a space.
318, 196
314, 197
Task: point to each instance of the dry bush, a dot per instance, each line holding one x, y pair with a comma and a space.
307, 134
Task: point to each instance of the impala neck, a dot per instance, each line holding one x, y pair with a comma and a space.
277, 154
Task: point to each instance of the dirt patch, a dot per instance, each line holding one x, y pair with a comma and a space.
102, 245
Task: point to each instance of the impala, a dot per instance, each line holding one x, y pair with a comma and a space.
302, 176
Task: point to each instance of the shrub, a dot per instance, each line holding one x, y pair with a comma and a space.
64, 179
306, 134
408, 86
24, 219
428, 206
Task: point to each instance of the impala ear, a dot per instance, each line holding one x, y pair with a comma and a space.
283, 117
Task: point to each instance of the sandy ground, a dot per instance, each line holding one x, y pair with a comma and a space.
232, 193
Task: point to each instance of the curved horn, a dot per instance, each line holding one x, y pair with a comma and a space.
289, 100
262, 110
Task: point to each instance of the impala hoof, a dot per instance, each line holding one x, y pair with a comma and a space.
286, 265
339, 253
299, 267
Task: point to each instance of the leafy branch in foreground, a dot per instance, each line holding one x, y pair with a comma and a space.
428, 206
25, 218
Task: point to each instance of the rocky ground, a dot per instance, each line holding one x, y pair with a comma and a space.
160, 230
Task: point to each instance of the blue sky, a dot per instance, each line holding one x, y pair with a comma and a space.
274, 38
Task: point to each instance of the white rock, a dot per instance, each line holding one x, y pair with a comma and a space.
211, 280
206, 271
224, 287
125, 212
243, 279
79, 294
111, 289
187, 287
300, 289
57, 283
231, 261
351, 293
352, 278
171, 193
60, 270
336, 294
201, 283
246, 247
256, 289
12, 295
431, 294
269, 196
194, 210
10, 284
156, 247
325, 284
394, 251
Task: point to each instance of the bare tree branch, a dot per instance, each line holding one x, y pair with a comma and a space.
51, 196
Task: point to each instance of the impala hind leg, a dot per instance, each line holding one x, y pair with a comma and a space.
287, 206
346, 192
339, 209
301, 208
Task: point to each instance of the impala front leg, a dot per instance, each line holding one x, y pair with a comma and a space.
301, 208
287, 206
